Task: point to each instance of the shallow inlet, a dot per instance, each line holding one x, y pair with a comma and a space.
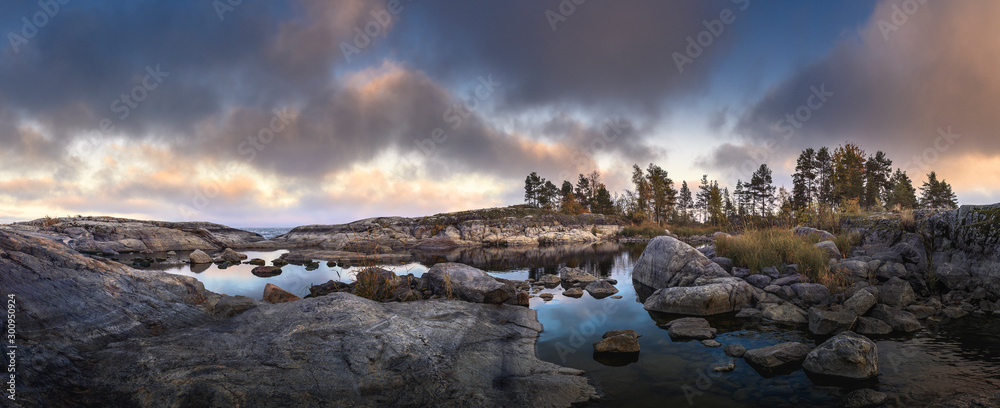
941, 359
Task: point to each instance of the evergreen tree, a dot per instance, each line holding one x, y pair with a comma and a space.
602, 203
728, 200
716, 210
849, 173
762, 190
937, 194
567, 188
548, 196
742, 195
594, 180
664, 195
804, 180
701, 199
825, 191
583, 191
532, 187
878, 171
685, 202
643, 196
902, 192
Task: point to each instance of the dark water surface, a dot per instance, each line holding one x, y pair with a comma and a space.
943, 358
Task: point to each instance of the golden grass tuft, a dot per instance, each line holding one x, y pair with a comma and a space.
757, 249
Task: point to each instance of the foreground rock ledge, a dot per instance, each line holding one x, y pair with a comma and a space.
96, 333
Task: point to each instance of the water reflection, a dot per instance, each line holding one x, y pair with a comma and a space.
915, 370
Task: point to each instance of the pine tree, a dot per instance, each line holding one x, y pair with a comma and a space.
825, 191
878, 170
664, 195
583, 191
701, 199
532, 186
716, 210
643, 195
902, 193
685, 202
728, 199
548, 196
937, 194
762, 190
849, 173
804, 180
602, 203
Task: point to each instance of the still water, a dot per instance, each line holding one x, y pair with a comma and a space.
945, 358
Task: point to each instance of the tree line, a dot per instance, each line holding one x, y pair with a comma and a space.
825, 181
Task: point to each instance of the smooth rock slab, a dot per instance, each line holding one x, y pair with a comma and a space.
777, 359
694, 328
466, 283
870, 326
847, 355
735, 350
199, 257
896, 293
897, 319
713, 296
785, 313
860, 303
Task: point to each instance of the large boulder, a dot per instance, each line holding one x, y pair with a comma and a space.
231, 256
826, 322
266, 271
845, 356
97, 333
777, 359
667, 262
818, 233
861, 302
896, 293
784, 313
199, 257
899, 320
466, 283
870, 326
710, 297
829, 248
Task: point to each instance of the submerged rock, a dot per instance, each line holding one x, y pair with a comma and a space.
863, 398
735, 350
601, 289
694, 328
266, 271
575, 275
573, 293
845, 356
618, 341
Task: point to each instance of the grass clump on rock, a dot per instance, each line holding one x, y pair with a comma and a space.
758, 249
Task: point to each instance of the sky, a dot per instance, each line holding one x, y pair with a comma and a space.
254, 113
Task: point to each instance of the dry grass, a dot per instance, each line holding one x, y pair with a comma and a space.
757, 249
906, 221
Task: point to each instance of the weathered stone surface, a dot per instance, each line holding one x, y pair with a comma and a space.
231, 256
618, 341
143, 338
870, 326
576, 275
807, 231
789, 280
759, 280
233, 305
601, 289
897, 319
863, 398
896, 293
573, 293
694, 328
810, 293
825, 322
712, 296
785, 313
860, 303
829, 248
466, 283
734, 350
275, 294
856, 268
847, 355
667, 262
777, 358
200, 257
550, 281
546, 296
